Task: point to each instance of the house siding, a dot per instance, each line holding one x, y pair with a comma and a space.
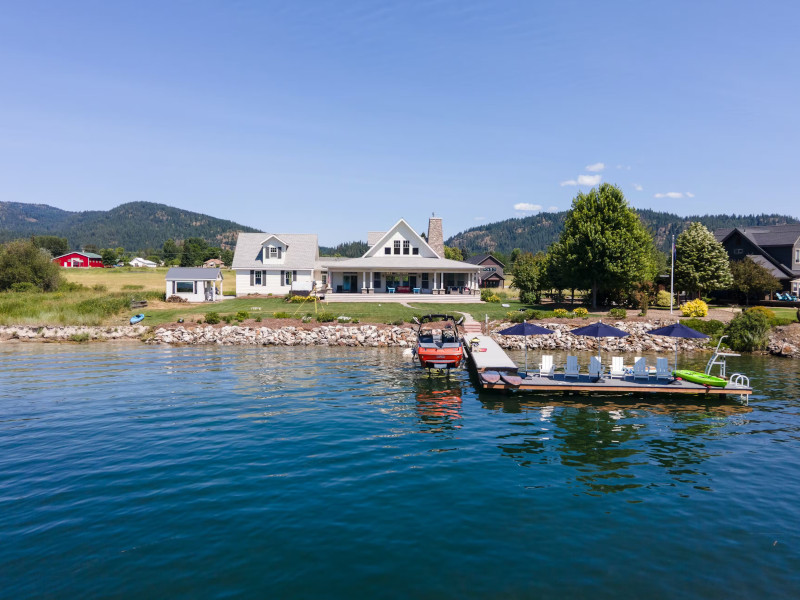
271, 284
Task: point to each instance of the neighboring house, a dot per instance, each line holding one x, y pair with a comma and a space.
775, 247
398, 261
213, 263
279, 264
401, 261
491, 275
195, 284
79, 259
142, 262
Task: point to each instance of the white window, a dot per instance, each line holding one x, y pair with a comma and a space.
287, 278
406, 246
273, 252
184, 287
257, 278
397, 247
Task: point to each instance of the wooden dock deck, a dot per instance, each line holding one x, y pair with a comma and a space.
488, 358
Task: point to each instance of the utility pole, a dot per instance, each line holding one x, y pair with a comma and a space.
672, 277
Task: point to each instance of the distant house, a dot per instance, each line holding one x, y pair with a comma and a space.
775, 247
213, 263
491, 274
194, 284
79, 259
142, 262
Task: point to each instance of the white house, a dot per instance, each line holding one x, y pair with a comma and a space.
142, 262
402, 261
195, 284
398, 261
279, 264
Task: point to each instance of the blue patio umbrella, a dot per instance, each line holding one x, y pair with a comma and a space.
598, 330
677, 330
526, 329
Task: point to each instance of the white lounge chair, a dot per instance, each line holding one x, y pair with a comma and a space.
546, 366
617, 367
662, 369
640, 369
595, 367
572, 369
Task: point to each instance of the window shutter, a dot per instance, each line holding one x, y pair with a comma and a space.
283, 278
294, 275
279, 252
252, 277
263, 278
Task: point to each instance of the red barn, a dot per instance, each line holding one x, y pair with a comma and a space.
79, 259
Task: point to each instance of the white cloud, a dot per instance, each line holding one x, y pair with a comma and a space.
668, 195
552, 208
583, 180
637, 187
527, 207
595, 167
689, 195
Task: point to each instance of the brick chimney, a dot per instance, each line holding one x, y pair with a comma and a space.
435, 236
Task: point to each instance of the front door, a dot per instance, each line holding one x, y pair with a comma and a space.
412, 282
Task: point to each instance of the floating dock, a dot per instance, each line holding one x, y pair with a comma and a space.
496, 371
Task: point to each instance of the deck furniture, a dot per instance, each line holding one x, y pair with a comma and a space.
662, 369
390, 290
617, 367
572, 369
546, 366
640, 369
416, 290
595, 367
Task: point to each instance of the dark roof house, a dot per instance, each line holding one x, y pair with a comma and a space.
491, 274
776, 247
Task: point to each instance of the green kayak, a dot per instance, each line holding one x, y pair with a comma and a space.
701, 378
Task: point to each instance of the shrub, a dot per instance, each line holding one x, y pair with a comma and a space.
212, 318
763, 310
748, 331
493, 298
711, 327
561, 313
79, 337
307, 319
663, 298
581, 312
297, 299
618, 313
343, 319
778, 321
502, 295
398, 323
176, 299
24, 286
242, 315
99, 287
258, 319
325, 317
23, 261
694, 308
486, 293
70, 286
228, 319
281, 315
527, 297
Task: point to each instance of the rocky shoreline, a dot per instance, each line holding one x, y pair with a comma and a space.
377, 336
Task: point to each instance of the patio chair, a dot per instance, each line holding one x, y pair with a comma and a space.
572, 369
595, 367
546, 366
617, 368
640, 369
662, 369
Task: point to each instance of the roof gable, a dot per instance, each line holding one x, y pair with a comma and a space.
275, 238
405, 231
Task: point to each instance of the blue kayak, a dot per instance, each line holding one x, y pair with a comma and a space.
136, 318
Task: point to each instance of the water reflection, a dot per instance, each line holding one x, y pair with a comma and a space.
610, 442
438, 404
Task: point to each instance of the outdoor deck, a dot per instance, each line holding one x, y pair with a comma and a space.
486, 355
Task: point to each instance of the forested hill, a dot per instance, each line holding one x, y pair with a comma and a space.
535, 233
133, 226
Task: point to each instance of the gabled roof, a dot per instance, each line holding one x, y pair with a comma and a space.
193, 274
772, 235
766, 260
86, 254
303, 252
373, 237
762, 261
420, 264
402, 222
274, 237
476, 260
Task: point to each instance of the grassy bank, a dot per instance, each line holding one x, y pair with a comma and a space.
124, 279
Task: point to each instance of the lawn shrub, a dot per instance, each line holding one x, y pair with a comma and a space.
281, 315
325, 317
228, 319
561, 313
618, 313
694, 308
581, 312
711, 327
242, 315
663, 298
778, 321
748, 331
770, 314
258, 319
486, 293
212, 318
23, 287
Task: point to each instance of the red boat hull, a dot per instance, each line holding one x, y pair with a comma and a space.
440, 358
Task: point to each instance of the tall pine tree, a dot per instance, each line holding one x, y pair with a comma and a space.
701, 264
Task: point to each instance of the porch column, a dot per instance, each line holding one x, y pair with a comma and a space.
364, 289
371, 280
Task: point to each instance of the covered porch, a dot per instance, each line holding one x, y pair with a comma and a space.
388, 283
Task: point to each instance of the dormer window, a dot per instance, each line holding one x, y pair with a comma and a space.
273, 252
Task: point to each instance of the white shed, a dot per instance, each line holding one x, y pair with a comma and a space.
195, 284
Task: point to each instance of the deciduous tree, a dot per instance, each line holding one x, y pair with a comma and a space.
24, 262
701, 264
751, 278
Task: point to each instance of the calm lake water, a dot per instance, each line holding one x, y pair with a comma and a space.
133, 471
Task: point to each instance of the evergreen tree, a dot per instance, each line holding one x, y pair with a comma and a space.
226, 256
603, 246
750, 278
171, 252
57, 246
701, 264
195, 252
109, 257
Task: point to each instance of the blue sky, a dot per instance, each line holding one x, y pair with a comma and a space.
339, 117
